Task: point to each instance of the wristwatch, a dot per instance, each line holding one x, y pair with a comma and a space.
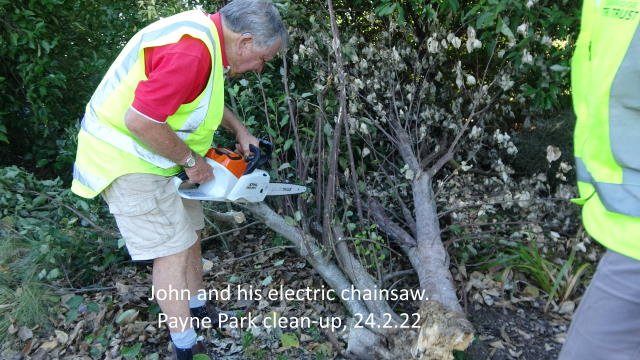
190, 161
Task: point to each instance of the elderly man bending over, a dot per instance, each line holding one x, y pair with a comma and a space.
153, 115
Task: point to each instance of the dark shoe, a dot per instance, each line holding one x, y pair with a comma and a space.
187, 354
207, 310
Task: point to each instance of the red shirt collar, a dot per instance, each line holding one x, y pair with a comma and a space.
217, 20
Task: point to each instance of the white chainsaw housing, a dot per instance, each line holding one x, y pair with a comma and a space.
227, 187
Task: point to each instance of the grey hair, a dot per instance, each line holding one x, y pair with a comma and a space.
258, 17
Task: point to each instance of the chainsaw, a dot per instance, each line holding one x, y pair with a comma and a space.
236, 178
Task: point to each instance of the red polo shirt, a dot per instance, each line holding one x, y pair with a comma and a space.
176, 74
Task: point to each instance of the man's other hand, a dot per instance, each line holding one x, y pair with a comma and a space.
243, 139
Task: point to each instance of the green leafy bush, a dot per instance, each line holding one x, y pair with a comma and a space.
50, 239
54, 54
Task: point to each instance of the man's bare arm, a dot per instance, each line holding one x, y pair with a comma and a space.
162, 140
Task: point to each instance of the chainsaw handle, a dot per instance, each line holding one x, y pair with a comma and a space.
229, 153
183, 176
181, 181
260, 155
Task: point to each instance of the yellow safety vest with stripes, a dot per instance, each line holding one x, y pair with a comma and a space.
106, 148
605, 81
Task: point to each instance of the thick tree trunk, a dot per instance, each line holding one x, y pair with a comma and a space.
444, 327
429, 257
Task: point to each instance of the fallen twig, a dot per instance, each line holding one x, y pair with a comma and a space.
230, 231
259, 252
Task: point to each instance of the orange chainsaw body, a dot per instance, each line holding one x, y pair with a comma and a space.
230, 160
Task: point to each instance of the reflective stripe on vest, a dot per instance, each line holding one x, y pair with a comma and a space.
87, 179
620, 198
123, 142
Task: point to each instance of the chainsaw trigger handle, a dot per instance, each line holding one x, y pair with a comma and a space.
183, 176
253, 159
260, 155
181, 182
267, 147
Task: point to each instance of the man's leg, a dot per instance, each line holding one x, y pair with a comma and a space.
195, 214
170, 273
199, 306
156, 225
607, 323
194, 267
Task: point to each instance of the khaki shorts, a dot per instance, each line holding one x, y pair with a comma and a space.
153, 219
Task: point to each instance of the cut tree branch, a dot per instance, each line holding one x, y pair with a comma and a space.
307, 247
398, 234
330, 189
301, 162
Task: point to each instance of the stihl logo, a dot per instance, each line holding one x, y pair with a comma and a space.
252, 186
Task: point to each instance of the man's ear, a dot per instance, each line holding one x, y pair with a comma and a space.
245, 43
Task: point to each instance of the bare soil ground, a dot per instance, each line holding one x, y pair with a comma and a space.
522, 332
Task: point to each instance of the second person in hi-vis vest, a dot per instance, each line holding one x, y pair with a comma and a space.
605, 84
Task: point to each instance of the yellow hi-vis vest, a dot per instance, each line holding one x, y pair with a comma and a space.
605, 80
106, 148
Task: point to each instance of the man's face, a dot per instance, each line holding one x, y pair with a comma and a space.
250, 58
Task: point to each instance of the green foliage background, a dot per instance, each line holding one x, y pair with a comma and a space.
53, 55
54, 52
